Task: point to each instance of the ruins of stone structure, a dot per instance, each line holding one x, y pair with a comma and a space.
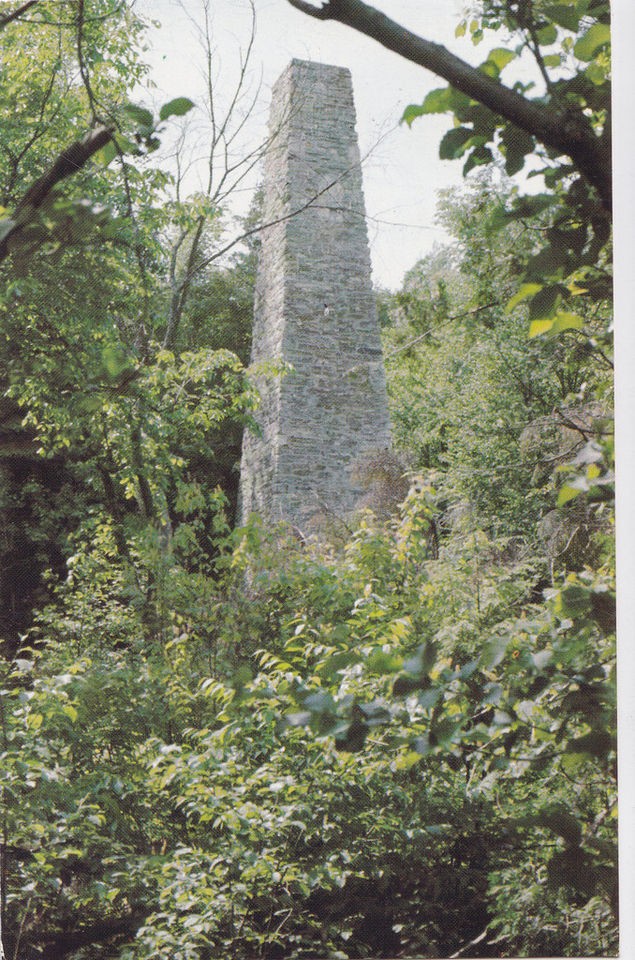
314, 308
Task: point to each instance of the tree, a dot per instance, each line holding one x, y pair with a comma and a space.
113, 269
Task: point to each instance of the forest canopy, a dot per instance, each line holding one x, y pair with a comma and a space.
217, 740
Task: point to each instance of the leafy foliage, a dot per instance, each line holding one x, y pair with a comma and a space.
493, 413
296, 772
569, 45
95, 410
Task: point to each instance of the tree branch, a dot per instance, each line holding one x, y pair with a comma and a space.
320, 13
8, 17
68, 163
568, 133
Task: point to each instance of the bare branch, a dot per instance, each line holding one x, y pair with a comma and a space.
225, 170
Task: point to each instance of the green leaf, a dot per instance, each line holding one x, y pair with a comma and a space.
443, 732
107, 154
354, 739
538, 327
493, 652
22, 665
483, 121
571, 867
596, 73
596, 36
115, 360
500, 57
375, 713
530, 206
299, 719
126, 145
550, 261
440, 100
544, 303
541, 659
405, 684
573, 600
479, 156
380, 662
562, 823
429, 698
547, 35
552, 60
565, 15
598, 743
493, 692
319, 702
424, 659
142, 117
517, 144
6, 226
176, 108
422, 744
468, 669
411, 113
526, 290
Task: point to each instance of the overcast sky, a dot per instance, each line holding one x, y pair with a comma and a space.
402, 171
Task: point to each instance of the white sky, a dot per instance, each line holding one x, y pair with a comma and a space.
403, 173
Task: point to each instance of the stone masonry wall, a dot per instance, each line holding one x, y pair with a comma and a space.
315, 308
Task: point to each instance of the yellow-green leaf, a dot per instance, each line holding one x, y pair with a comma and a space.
500, 56
566, 321
538, 327
526, 290
567, 493
595, 37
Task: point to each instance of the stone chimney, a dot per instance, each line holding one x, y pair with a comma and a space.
315, 309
